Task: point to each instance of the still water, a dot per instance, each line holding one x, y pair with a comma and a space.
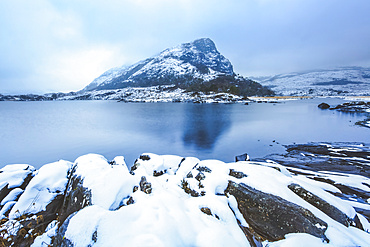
37, 133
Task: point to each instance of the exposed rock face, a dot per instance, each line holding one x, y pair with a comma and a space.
343, 158
76, 196
353, 107
321, 204
145, 186
59, 239
350, 158
271, 217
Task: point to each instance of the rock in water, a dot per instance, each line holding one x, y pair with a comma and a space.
242, 157
323, 106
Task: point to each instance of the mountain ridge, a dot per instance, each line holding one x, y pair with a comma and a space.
196, 66
199, 58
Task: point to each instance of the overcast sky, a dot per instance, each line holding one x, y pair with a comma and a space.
60, 45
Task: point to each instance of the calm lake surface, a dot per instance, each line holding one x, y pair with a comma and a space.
37, 133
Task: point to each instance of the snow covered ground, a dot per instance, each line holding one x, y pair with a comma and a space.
167, 200
331, 82
167, 93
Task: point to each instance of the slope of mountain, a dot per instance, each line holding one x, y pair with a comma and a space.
196, 60
194, 66
330, 82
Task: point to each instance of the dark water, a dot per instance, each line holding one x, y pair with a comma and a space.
40, 132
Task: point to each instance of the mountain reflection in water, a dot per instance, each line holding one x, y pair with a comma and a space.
36, 133
204, 124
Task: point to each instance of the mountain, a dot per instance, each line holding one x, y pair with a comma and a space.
329, 82
196, 60
194, 66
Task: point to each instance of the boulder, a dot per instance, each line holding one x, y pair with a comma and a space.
77, 197
321, 204
323, 106
37, 206
271, 217
59, 239
13, 177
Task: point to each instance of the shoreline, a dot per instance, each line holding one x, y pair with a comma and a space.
258, 202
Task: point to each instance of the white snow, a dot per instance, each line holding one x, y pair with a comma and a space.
7, 207
49, 182
109, 184
169, 62
170, 217
354, 82
156, 94
46, 238
166, 219
12, 196
14, 175
298, 239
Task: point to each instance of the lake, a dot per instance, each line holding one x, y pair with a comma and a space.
37, 133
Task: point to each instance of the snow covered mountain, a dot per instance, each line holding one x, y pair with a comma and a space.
198, 60
330, 82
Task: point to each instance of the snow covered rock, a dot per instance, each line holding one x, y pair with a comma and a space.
168, 200
321, 204
271, 217
13, 180
95, 181
352, 158
37, 206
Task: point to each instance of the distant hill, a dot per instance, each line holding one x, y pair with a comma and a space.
194, 66
330, 82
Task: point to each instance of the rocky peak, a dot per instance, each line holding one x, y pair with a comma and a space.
205, 45
203, 54
195, 61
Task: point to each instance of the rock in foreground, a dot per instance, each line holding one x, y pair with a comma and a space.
167, 200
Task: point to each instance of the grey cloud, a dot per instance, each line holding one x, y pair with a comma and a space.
260, 37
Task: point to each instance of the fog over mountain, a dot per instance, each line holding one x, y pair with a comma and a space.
61, 46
